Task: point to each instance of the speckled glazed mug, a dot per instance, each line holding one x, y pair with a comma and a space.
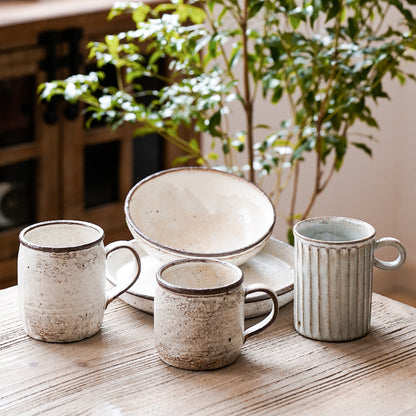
334, 259
199, 313
62, 279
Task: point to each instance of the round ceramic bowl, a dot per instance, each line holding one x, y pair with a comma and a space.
199, 212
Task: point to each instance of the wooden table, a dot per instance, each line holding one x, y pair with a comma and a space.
118, 371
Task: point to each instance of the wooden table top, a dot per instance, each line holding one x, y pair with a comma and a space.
118, 371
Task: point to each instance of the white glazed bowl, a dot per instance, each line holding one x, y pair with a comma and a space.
199, 212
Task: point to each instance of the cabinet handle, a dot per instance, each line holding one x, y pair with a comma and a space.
49, 40
73, 37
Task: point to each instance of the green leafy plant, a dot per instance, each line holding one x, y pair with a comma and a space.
327, 59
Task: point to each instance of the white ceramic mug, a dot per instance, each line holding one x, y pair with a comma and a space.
199, 313
334, 259
62, 279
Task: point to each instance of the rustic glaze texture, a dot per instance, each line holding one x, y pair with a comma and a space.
169, 211
62, 294
182, 322
201, 326
333, 278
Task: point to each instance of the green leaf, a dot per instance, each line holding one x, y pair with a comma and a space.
182, 160
236, 54
112, 43
212, 156
290, 236
238, 145
211, 5
143, 131
294, 21
212, 47
352, 27
277, 94
194, 144
113, 13
334, 10
255, 8
165, 7
140, 14
306, 145
215, 120
196, 14
363, 147
401, 78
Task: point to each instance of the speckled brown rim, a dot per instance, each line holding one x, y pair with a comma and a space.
334, 219
92, 243
200, 291
185, 253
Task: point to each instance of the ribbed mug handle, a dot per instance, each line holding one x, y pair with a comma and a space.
396, 263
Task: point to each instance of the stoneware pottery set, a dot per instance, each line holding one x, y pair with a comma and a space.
202, 260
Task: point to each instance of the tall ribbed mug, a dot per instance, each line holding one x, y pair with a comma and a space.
334, 259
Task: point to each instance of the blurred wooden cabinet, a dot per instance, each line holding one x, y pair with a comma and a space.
50, 165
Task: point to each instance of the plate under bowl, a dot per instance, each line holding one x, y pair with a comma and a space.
273, 266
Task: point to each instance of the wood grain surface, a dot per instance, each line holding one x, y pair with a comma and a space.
279, 372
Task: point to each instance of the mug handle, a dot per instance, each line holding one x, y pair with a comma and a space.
270, 318
394, 264
117, 290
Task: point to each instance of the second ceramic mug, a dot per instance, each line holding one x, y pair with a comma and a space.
61, 279
334, 259
199, 313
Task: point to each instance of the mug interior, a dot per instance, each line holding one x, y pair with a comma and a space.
334, 229
61, 235
189, 276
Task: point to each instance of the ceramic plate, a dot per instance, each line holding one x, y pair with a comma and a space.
273, 266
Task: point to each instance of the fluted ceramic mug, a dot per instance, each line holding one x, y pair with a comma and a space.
334, 259
62, 279
199, 313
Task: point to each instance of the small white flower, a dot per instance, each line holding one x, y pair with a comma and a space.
105, 102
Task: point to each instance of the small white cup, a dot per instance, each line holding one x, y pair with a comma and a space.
199, 313
334, 259
62, 278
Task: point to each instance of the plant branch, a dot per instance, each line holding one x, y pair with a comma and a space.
120, 82
291, 219
382, 19
279, 187
228, 158
318, 188
248, 103
224, 56
178, 142
326, 182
